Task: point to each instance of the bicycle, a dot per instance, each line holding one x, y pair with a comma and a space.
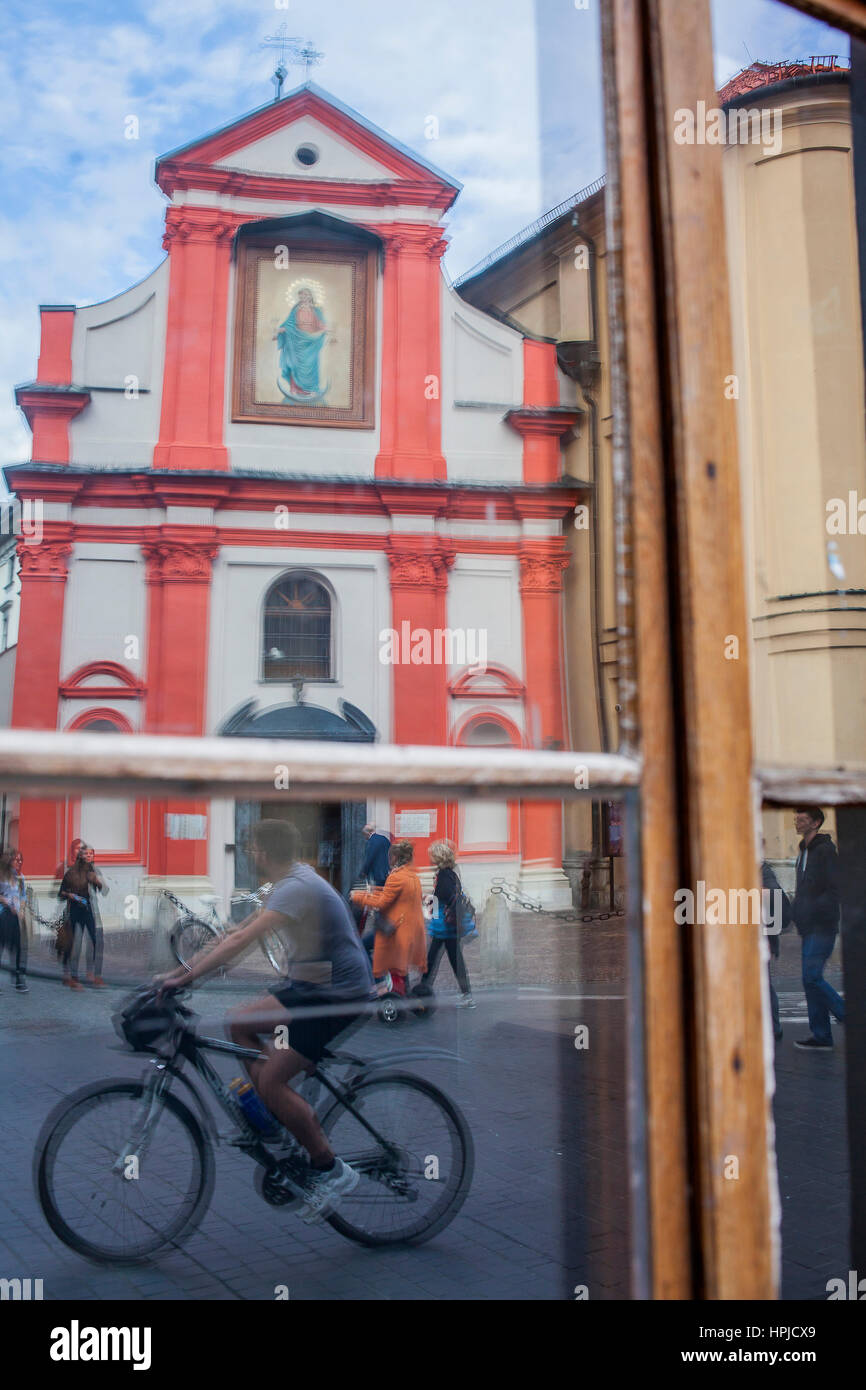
192, 933
124, 1168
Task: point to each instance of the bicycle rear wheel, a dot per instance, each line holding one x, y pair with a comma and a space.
275, 953
88, 1201
189, 936
410, 1191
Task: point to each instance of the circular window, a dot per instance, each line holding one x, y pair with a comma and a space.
307, 155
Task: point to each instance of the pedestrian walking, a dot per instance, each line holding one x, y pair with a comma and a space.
78, 888
373, 872
12, 905
772, 885
446, 924
401, 940
375, 868
816, 915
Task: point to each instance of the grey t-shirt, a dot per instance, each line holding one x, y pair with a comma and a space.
322, 939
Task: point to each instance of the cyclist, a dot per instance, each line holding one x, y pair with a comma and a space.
328, 966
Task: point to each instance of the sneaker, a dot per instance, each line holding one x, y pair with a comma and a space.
325, 1190
96, 982
75, 984
466, 1002
22, 987
813, 1043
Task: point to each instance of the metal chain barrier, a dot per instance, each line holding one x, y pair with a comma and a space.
511, 892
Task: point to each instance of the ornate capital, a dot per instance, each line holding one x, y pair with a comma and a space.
48, 560
411, 238
179, 562
197, 224
416, 565
542, 573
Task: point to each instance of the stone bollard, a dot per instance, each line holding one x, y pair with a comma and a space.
497, 942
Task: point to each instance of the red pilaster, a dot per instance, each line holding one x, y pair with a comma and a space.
178, 578
419, 586
198, 241
541, 567
56, 322
411, 431
542, 422
540, 382
37, 677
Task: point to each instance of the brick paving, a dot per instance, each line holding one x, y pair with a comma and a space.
548, 1208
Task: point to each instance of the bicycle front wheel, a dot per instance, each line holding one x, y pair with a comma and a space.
101, 1205
415, 1183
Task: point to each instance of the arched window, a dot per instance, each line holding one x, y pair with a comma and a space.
113, 826
297, 630
486, 827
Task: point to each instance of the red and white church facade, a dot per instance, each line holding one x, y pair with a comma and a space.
289, 439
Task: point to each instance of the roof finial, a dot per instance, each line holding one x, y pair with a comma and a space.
294, 51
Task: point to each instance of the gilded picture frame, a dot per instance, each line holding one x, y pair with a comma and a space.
305, 333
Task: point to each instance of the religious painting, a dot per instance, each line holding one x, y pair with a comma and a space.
304, 334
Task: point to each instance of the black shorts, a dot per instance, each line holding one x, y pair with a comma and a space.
310, 1032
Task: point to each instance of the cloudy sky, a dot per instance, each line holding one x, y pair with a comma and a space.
514, 84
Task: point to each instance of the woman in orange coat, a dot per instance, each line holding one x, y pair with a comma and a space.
399, 907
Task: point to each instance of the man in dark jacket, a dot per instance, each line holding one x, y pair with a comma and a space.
375, 868
816, 914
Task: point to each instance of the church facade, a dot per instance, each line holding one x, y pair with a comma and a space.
294, 486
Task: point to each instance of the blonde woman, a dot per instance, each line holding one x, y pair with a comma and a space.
401, 940
446, 934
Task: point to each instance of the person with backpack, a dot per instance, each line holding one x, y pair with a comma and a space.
449, 924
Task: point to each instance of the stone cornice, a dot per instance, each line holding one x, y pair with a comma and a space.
41, 399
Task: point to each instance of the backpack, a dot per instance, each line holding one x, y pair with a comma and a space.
464, 916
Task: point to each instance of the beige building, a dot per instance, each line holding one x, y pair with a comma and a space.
796, 383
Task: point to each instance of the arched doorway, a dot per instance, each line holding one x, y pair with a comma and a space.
331, 839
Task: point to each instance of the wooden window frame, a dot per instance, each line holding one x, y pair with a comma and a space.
677, 481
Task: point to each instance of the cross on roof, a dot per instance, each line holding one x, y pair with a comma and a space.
293, 51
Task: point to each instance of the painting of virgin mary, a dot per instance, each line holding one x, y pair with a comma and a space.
300, 339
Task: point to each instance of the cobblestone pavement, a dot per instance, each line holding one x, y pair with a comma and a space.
548, 1208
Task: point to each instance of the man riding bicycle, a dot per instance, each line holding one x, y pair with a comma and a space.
327, 966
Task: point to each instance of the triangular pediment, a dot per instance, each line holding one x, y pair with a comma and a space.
335, 156
273, 142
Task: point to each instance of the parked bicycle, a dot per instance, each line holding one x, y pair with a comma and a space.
126, 1167
191, 933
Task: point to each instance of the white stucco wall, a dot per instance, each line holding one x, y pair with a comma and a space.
121, 338
105, 603
482, 363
